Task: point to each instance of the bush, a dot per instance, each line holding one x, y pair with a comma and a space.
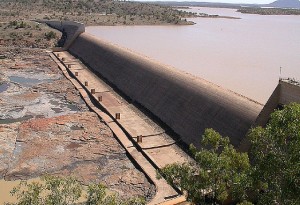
50, 35
66, 191
220, 172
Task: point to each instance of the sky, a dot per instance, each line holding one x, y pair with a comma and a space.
226, 1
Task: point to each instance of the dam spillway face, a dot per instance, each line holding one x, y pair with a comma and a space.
187, 104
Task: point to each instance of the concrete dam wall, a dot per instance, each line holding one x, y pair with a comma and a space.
70, 30
187, 104
286, 92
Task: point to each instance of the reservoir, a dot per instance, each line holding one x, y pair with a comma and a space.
244, 55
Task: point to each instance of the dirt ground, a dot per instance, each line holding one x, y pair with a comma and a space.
45, 127
27, 34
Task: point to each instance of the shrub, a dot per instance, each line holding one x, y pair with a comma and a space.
50, 35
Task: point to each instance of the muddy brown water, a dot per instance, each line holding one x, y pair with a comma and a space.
7, 186
243, 55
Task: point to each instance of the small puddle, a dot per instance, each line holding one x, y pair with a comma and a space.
62, 105
8, 121
72, 107
4, 87
73, 145
75, 127
53, 102
27, 82
57, 110
24, 81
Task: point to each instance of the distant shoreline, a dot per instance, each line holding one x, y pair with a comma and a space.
205, 15
248, 10
269, 11
218, 16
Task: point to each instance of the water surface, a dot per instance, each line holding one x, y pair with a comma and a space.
26, 81
3, 87
13, 120
243, 55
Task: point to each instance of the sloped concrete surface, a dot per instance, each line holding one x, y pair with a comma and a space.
187, 104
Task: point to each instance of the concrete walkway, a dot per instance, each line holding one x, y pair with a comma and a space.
156, 145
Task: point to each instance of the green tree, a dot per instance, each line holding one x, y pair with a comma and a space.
66, 191
218, 173
276, 157
54, 191
62, 191
29, 195
97, 196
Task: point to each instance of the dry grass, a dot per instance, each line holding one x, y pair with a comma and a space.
27, 34
17, 26
92, 12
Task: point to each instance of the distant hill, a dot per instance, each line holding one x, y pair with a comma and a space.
276, 4
285, 4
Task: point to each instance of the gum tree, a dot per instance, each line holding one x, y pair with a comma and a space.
66, 191
276, 157
218, 173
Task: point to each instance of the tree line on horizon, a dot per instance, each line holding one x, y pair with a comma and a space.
92, 11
